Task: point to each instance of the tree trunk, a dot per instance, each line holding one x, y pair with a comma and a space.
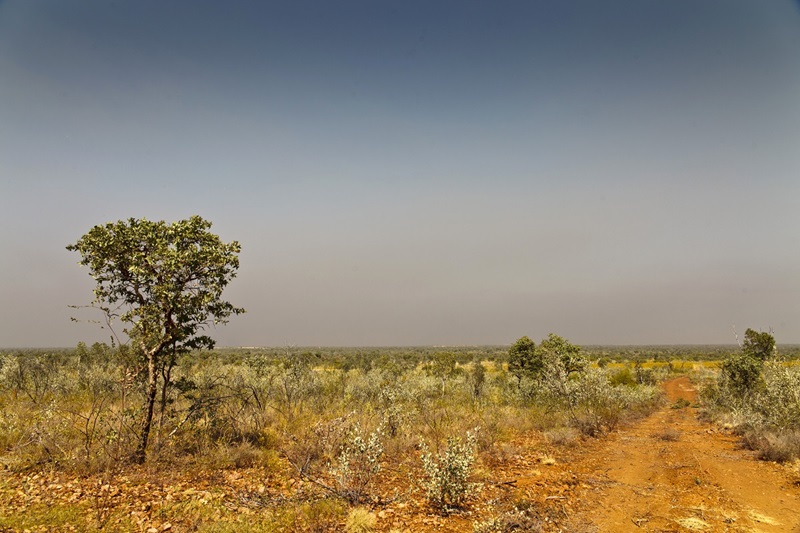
166, 381
152, 388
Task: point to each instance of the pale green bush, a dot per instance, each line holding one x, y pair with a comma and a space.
778, 403
592, 403
446, 480
357, 464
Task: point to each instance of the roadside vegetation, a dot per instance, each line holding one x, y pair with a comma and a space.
346, 428
757, 394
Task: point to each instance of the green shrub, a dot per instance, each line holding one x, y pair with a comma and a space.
357, 464
741, 375
623, 377
446, 481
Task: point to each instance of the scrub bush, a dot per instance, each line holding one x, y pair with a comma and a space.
446, 481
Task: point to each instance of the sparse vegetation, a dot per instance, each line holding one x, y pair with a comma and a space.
757, 394
326, 429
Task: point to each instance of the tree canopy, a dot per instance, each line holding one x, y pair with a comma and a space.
164, 281
758, 344
525, 359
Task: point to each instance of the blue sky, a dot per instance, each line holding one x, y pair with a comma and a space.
404, 173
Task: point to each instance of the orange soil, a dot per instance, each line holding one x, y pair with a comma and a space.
668, 472
671, 472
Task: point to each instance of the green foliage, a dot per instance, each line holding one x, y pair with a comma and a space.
757, 393
357, 464
164, 282
644, 376
681, 403
570, 356
741, 373
446, 479
81, 410
593, 401
443, 365
523, 360
598, 406
526, 360
623, 376
477, 378
759, 345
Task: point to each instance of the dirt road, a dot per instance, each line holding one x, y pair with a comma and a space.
672, 473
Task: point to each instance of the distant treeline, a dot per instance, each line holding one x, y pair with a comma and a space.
409, 356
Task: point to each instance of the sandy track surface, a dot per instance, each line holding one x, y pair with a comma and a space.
672, 473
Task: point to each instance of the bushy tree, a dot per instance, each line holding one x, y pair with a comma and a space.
759, 345
742, 372
523, 361
164, 282
557, 349
477, 378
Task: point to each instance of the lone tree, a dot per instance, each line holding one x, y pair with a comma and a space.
164, 282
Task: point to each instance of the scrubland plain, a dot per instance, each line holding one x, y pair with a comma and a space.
482, 439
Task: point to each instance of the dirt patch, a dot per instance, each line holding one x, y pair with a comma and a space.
701, 480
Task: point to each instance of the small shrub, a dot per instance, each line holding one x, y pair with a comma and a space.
515, 520
358, 464
360, 520
477, 378
622, 377
323, 516
394, 402
781, 447
644, 376
681, 403
561, 435
446, 476
668, 434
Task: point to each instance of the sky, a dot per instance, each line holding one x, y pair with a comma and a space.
415, 172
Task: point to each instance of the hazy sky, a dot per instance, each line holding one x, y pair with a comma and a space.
415, 172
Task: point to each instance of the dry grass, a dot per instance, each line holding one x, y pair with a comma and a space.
668, 435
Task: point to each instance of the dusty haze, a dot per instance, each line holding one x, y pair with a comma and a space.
413, 172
